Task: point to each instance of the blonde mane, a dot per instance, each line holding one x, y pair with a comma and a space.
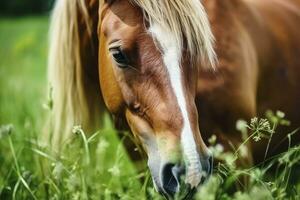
188, 21
75, 102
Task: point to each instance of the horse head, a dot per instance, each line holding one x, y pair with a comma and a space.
149, 55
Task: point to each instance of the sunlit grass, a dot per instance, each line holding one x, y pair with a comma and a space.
95, 165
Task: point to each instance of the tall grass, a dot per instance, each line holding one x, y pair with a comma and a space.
97, 167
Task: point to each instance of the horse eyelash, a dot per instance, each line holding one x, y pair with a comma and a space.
112, 49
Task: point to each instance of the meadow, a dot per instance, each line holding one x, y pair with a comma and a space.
96, 166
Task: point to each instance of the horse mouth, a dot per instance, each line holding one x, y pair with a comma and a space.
180, 181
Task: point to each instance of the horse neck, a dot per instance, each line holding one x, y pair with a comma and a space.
231, 17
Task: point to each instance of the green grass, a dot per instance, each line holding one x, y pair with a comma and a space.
97, 167
22, 69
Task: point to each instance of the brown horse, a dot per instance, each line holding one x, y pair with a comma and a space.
153, 64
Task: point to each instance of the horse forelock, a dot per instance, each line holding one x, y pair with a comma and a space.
189, 23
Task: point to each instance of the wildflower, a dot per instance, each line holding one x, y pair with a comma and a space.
6, 130
102, 146
261, 128
229, 159
115, 170
280, 114
256, 174
76, 129
277, 118
243, 151
241, 126
212, 140
257, 138
57, 170
216, 150
73, 182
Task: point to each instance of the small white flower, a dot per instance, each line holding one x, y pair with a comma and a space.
58, 170
243, 151
212, 140
115, 170
6, 130
241, 125
76, 129
102, 146
254, 120
280, 114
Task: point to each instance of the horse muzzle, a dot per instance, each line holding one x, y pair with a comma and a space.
172, 179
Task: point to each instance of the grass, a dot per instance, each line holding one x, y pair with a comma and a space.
97, 167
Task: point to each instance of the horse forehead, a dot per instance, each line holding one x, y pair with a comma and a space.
121, 13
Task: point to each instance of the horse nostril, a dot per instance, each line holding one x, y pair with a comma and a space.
207, 167
171, 178
211, 166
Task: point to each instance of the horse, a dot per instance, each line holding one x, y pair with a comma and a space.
174, 72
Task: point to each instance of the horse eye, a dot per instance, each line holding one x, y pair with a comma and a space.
120, 57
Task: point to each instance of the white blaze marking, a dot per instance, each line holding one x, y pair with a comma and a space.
171, 58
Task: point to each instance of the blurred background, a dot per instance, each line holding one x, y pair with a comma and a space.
23, 58
24, 7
